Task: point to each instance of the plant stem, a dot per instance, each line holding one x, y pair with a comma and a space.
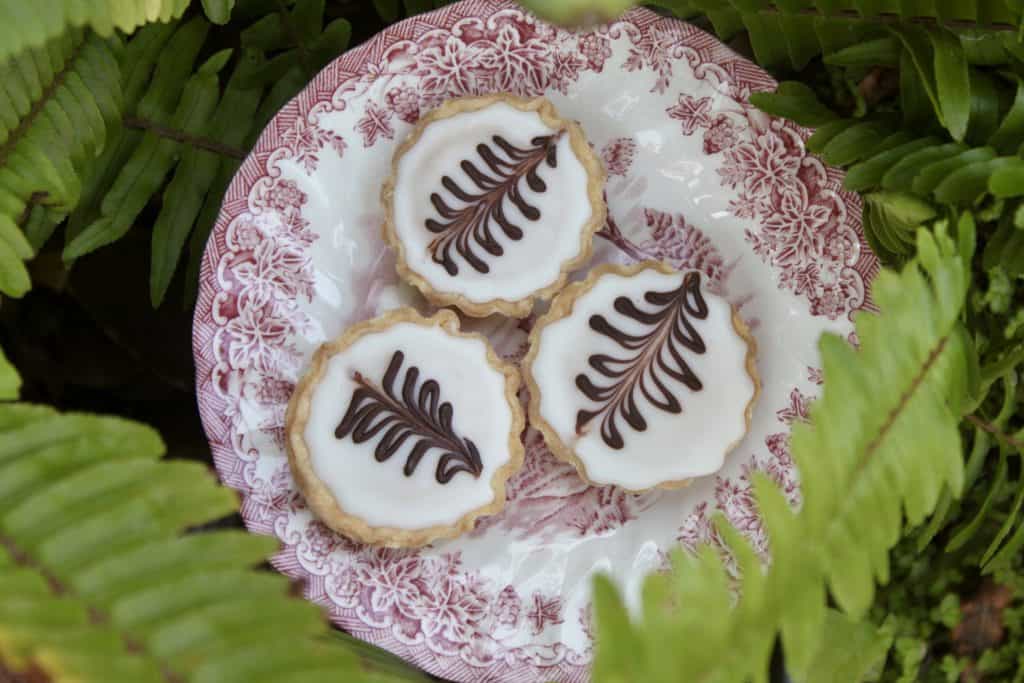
98, 617
904, 400
35, 198
996, 432
37, 107
197, 141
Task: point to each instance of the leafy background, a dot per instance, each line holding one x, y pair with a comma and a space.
121, 124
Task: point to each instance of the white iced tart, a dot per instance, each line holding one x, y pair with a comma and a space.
641, 377
491, 202
405, 430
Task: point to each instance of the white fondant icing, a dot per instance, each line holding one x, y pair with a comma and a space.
674, 446
527, 265
379, 492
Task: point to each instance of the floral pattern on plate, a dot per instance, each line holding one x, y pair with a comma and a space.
697, 178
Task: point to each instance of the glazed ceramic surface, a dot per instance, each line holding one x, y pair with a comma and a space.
698, 178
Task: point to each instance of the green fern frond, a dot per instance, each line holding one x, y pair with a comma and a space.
182, 126
88, 142
1005, 251
100, 581
218, 11
790, 34
34, 24
150, 162
907, 182
887, 421
138, 59
173, 98
196, 174
10, 382
991, 430
895, 446
62, 100
997, 554
956, 147
301, 44
853, 651
963, 100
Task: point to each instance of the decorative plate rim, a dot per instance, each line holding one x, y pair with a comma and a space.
329, 87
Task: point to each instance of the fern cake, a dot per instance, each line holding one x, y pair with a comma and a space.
492, 202
641, 377
405, 430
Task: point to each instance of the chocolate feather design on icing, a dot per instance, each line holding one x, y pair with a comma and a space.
416, 414
469, 227
649, 358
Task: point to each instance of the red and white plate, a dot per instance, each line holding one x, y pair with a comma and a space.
697, 177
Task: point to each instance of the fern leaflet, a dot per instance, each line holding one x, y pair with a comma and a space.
790, 34
31, 25
98, 584
67, 96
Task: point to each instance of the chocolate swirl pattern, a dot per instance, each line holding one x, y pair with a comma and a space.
648, 361
469, 227
415, 414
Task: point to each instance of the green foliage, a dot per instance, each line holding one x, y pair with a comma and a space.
391, 10
152, 159
156, 603
796, 101
910, 179
887, 421
897, 441
577, 12
60, 100
960, 152
103, 132
218, 11
923, 605
10, 382
94, 131
29, 25
946, 144
790, 34
861, 655
32, 25
197, 173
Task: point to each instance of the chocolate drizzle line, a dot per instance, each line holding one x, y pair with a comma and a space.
649, 356
416, 414
467, 227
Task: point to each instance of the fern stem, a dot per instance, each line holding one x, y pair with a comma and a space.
58, 587
37, 107
31, 674
996, 432
904, 400
890, 18
197, 141
22, 558
36, 197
